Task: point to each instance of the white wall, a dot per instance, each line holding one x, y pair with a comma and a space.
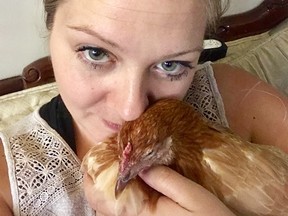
23, 35
239, 6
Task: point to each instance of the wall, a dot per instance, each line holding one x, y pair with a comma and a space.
238, 6
22, 35
23, 38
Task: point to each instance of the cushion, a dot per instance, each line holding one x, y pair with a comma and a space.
16, 105
265, 55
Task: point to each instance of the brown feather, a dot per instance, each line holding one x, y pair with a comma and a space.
250, 179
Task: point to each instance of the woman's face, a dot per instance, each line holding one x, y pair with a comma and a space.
112, 58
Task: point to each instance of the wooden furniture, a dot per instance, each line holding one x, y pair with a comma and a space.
34, 74
258, 20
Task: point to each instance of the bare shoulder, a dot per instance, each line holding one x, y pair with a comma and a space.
255, 109
5, 194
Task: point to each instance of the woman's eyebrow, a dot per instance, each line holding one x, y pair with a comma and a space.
89, 31
181, 53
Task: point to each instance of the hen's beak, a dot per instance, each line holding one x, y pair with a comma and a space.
122, 181
124, 176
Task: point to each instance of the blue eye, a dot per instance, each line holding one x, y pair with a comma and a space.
169, 65
95, 57
94, 54
174, 69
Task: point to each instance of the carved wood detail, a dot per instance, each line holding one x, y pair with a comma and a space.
258, 20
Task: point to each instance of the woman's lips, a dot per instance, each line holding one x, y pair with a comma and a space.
112, 126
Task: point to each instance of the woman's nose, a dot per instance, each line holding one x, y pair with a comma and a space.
131, 97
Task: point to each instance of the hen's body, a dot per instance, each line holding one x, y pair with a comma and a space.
250, 179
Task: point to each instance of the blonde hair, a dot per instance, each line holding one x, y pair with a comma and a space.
214, 8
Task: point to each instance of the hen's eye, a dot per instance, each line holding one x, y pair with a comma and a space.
148, 153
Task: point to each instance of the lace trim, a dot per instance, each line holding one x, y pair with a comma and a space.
45, 169
204, 95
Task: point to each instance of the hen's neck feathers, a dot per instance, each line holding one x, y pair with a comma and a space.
191, 136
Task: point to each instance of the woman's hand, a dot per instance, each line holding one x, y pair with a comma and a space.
182, 196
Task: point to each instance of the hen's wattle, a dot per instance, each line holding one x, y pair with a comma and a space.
250, 179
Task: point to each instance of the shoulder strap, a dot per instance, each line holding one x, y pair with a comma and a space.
204, 95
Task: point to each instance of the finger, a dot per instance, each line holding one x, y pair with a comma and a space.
165, 206
181, 190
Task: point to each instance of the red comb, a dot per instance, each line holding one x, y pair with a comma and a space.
125, 155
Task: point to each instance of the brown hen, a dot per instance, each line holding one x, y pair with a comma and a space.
250, 179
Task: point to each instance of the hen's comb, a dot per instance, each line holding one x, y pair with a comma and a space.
126, 155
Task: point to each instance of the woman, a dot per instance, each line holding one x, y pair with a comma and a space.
111, 60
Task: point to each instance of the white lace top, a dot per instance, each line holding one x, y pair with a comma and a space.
44, 172
205, 97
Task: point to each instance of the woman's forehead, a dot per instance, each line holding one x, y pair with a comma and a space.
136, 27
153, 6
165, 13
